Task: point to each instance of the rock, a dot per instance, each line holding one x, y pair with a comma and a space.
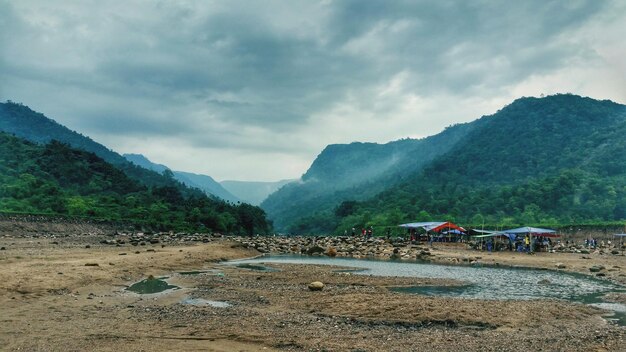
596, 268
331, 252
3, 249
544, 282
560, 266
315, 250
615, 252
584, 251
87, 246
92, 264
316, 286
601, 274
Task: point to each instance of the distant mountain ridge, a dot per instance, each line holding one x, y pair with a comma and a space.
204, 183
253, 192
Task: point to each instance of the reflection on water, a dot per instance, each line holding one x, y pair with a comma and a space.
481, 282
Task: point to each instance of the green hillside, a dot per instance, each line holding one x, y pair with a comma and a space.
559, 159
353, 171
19, 120
59, 180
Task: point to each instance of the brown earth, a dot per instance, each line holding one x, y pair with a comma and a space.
52, 301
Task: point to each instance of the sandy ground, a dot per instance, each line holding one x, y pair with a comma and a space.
51, 301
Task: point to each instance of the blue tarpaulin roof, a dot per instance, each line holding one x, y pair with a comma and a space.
621, 235
531, 230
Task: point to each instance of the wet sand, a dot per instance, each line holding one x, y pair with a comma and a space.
52, 301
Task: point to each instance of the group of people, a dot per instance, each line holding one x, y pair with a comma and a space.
365, 233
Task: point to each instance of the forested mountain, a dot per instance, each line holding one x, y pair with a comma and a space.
21, 121
352, 172
57, 179
559, 159
253, 192
202, 182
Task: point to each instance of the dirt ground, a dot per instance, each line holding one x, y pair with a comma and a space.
55, 294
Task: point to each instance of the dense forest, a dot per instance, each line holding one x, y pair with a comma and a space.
57, 179
554, 160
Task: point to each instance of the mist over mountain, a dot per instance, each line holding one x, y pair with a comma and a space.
253, 192
538, 160
354, 171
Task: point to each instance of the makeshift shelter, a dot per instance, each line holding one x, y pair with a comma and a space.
432, 227
532, 232
492, 238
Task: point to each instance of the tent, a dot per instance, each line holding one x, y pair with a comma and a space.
434, 226
442, 227
530, 231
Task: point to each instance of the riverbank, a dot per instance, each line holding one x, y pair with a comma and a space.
607, 262
57, 294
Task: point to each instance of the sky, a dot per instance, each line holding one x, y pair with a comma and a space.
254, 90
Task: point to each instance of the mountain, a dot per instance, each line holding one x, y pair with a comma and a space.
56, 179
144, 162
19, 120
554, 160
205, 183
202, 182
350, 172
253, 192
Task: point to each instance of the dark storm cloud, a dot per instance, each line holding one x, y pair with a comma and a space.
257, 74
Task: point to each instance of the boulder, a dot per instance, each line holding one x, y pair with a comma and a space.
331, 252
315, 250
316, 286
560, 266
596, 268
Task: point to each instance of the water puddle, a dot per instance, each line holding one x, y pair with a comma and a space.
197, 272
256, 267
435, 290
151, 285
482, 282
205, 302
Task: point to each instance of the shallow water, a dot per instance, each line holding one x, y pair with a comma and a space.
205, 302
256, 267
480, 282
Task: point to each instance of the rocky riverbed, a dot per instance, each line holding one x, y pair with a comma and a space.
69, 293
604, 261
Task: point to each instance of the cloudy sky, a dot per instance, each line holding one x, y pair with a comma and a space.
254, 90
